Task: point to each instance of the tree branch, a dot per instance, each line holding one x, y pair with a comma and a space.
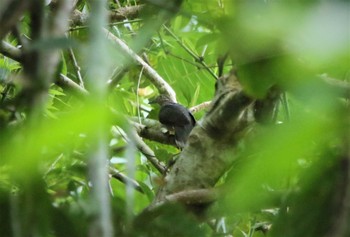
125, 179
66, 83
147, 151
11, 52
141, 145
152, 130
131, 12
188, 197
76, 67
196, 196
197, 58
152, 75
200, 107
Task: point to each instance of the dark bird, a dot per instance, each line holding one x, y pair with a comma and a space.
176, 118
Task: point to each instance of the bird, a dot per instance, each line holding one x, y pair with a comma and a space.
176, 118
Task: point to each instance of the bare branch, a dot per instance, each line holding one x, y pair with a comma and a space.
198, 59
66, 83
125, 179
76, 67
11, 52
200, 107
134, 136
152, 130
147, 151
152, 75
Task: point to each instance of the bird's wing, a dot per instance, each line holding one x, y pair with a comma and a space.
175, 115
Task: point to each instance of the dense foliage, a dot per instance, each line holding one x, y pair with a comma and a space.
82, 152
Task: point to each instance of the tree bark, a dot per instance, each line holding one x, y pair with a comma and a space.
211, 146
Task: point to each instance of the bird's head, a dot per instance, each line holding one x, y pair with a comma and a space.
161, 100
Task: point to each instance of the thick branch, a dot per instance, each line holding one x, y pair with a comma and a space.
188, 197
152, 130
196, 196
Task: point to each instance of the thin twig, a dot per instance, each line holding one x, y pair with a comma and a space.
185, 60
175, 56
76, 67
148, 152
114, 173
196, 57
285, 106
125, 179
117, 75
137, 96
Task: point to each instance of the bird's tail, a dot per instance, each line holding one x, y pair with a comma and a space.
181, 135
